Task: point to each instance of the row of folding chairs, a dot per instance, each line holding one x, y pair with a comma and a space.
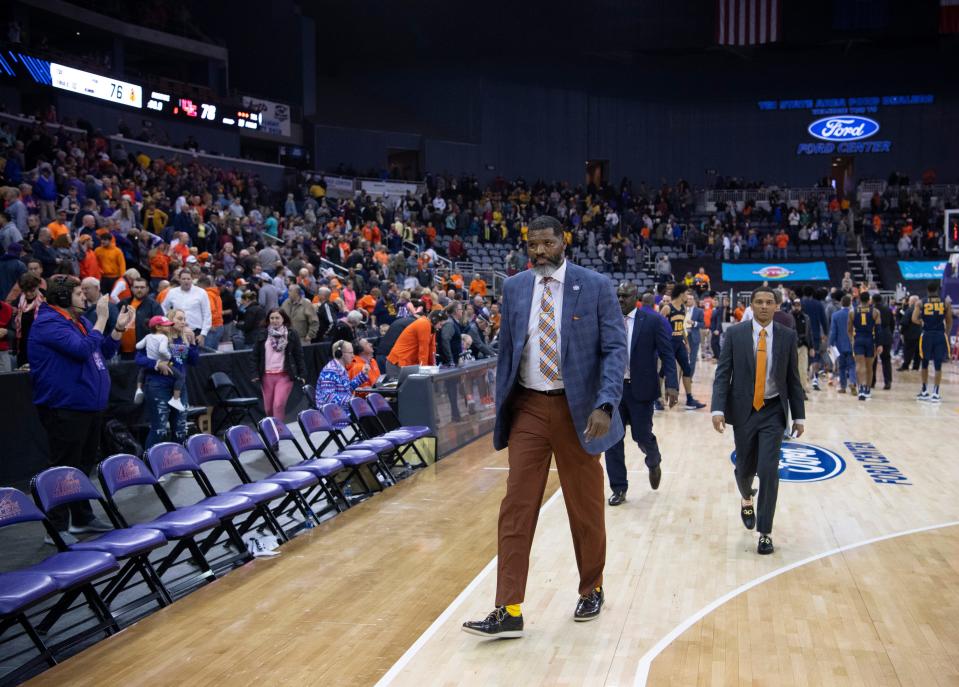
367, 445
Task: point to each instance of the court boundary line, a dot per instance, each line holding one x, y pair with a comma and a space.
421, 641
645, 663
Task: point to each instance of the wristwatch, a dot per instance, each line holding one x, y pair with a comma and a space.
607, 408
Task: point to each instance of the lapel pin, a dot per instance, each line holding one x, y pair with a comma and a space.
576, 287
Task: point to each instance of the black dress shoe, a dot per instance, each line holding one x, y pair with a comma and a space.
497, 625
588, 607
618, 498
765, 545
748, 514
655, 475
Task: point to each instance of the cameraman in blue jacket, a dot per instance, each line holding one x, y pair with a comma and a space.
71, 385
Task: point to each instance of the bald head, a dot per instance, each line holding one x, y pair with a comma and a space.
649, 300
91, 289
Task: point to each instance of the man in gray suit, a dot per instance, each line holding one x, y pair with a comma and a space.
559, 378
757, 383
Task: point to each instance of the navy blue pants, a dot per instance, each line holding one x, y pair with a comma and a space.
639, 416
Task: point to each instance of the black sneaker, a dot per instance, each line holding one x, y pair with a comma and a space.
588, 607
497, 625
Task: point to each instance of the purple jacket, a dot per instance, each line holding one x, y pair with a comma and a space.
68, 367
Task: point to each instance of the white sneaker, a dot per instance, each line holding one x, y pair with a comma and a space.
138, 396
923, 396
176, 403
935, 398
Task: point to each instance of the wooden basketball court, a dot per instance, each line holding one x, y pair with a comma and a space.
863, 588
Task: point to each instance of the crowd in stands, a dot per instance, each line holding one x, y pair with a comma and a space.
244, 264
207, 256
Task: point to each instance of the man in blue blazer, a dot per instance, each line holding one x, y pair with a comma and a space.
559, 378
648, 344
694, 328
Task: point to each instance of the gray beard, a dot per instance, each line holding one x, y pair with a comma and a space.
547, 270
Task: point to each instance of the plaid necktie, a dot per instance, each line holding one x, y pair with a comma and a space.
548, 351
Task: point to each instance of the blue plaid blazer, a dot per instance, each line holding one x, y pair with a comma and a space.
593, 355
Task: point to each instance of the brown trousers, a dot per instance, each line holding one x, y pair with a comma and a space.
542, 427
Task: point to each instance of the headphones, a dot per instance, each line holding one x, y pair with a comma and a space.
338, 350
60, 291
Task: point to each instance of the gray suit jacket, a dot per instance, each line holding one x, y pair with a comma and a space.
736, 373
593, 355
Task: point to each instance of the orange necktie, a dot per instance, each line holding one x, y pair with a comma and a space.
759, 386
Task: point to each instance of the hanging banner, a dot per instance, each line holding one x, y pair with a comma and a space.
275, 117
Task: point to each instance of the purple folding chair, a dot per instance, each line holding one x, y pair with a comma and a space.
167, 457
182, 525
339, 421
206, 448
274, 433
369, 427
314, 422
387, 417
60, 486
72, 573
240, 439
19, 592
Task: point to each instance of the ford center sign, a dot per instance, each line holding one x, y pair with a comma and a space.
806, 463
844, 128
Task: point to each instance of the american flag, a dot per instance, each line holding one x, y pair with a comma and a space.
748, 22
948, 16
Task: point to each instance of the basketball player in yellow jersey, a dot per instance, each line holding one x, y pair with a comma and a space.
935, 316
863, 325
674, 310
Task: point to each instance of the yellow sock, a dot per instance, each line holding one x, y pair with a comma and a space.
513, 610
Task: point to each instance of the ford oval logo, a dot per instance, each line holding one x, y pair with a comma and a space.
844, 128
800, 462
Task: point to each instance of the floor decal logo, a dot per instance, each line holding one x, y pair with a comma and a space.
877, 465
806, 463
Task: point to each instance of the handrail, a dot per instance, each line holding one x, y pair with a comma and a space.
133, 142
26, 119
338, 269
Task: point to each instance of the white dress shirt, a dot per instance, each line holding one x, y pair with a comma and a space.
529, 372
629, 320
772, 388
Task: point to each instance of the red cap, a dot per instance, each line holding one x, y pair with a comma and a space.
159, 321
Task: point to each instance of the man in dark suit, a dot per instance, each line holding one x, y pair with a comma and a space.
326, 312
647, 343
559, 378
721, 314
911, 333
887, 325
757, 383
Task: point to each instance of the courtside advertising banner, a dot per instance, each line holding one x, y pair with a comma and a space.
775, 272
921, 269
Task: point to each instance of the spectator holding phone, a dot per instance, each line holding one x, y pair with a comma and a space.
71, 385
